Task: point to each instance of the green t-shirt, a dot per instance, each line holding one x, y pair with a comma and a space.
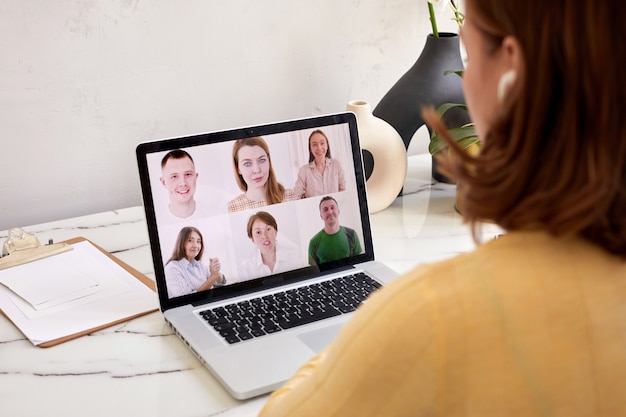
324, 247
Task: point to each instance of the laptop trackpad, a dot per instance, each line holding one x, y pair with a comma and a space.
317, 340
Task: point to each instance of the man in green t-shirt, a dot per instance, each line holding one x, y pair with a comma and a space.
333, 241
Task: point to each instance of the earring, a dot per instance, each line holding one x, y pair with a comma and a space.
506, 80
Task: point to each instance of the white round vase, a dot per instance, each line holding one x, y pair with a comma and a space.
385, 145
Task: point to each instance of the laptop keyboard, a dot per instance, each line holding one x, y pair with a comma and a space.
292, 308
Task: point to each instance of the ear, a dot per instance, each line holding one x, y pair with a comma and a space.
162, 181
512, 54
511, 63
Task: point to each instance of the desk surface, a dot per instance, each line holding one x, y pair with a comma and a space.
139, 367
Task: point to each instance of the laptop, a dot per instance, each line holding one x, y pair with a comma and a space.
221, 253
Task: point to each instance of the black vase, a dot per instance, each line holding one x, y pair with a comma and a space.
425, 84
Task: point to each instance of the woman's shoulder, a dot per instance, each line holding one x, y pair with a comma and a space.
449, 272
174, 261
240, 197
290, 195
175, 264
528, 256
308, 166
334, 164
238, 203
489, 255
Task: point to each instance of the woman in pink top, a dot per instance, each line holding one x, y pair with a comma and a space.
323, 174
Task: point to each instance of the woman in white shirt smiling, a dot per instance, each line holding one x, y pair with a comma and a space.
323, 174
185, 273
270, 257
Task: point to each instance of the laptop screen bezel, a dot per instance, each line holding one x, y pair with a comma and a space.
190, 141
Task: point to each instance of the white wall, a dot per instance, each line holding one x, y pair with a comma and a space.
83, 81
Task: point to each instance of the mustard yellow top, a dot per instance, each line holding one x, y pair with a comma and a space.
525, 325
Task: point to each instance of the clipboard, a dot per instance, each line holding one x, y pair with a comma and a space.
67, 245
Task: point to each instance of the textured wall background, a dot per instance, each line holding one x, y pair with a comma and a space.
83, 81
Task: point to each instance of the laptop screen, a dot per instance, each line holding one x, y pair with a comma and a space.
233, 211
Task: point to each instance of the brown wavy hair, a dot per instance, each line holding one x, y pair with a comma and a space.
274, 191
555, 157
265, 217
179, 247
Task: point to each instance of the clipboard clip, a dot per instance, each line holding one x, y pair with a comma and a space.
22, 247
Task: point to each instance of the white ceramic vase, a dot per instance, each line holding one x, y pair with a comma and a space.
387, 149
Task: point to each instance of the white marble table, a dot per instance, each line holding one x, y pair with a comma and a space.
140, 368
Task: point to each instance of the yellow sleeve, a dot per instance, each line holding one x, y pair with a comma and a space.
494, 332
380, 364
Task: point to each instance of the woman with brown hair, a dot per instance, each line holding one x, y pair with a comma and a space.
255, 176
532, 323
185, 273
323, 174
271, 256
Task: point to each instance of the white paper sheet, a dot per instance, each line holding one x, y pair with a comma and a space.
73, 279
119, 295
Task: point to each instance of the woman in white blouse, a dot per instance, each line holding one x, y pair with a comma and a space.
323, 174
270, 257
185, 273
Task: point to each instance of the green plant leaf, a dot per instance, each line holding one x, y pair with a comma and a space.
464, 135
457, 72
441, 110
464, 143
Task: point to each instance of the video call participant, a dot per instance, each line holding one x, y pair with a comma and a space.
323, 174
179, 176
333, 241
532, 323
255, 176
270, 256
185, 272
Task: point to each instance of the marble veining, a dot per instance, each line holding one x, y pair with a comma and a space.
140, 367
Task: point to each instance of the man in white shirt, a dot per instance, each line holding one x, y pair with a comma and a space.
179, 178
